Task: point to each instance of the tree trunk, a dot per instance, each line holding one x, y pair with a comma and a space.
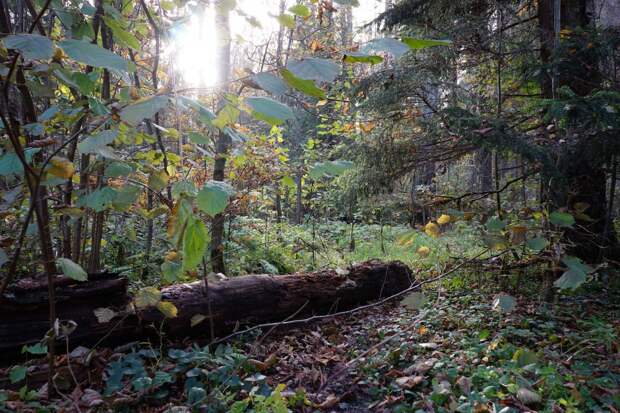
239, 301
583, 178
222, 145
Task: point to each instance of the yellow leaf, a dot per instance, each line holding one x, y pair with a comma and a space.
424, 251
61, 167
171, 256
432, 230
444, 219
147, 297
167, 308
197, 319
367, 126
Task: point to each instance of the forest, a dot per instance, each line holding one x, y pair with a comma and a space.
309, 206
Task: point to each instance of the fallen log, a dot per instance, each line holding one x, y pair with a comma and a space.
236, 302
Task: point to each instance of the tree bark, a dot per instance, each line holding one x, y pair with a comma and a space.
222, 145
237, 302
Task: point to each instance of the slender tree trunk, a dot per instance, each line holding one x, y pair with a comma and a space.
222, 145
299, 208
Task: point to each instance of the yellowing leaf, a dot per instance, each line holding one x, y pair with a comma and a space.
444, 219
61, 167
167, 308
197, 319
432, 230
147, 297
424, 251
171, 256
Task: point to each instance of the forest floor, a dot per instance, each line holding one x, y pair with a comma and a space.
442, 352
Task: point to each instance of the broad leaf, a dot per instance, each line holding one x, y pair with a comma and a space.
147, 297
269, 110
537, 244
195, 242
424, 43
286, 20
270, 83
227, 116
329, 168
31, 46
71, 269
504, 303
17, 374
570, 280
300, 10
98, 200
305, 86
93, 55
117, 169
94, 142
167, 309
322, 70
144, 109
355, 57
561, 219
213, 197
386, 44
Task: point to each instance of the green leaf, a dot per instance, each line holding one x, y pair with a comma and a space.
171, 271
183, 188
270, 83
31, 46
144, 109
300, 10
198, 138
147, 297
537, 244
213, 197
576, 264
98, 200
424, 43
504, 303
570, 280
37, 349
11, 165
329, 168
17, 374
117, 169
386, 44
93, 55
353, 3
286, 20
305, 86
355, 57
495, 224
158, 180
71, 269
122, 36
561, 219
91, 144
195, 242
125, 197
228, 115
322, 70
269, 110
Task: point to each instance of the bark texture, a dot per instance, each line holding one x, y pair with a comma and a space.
237, 302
